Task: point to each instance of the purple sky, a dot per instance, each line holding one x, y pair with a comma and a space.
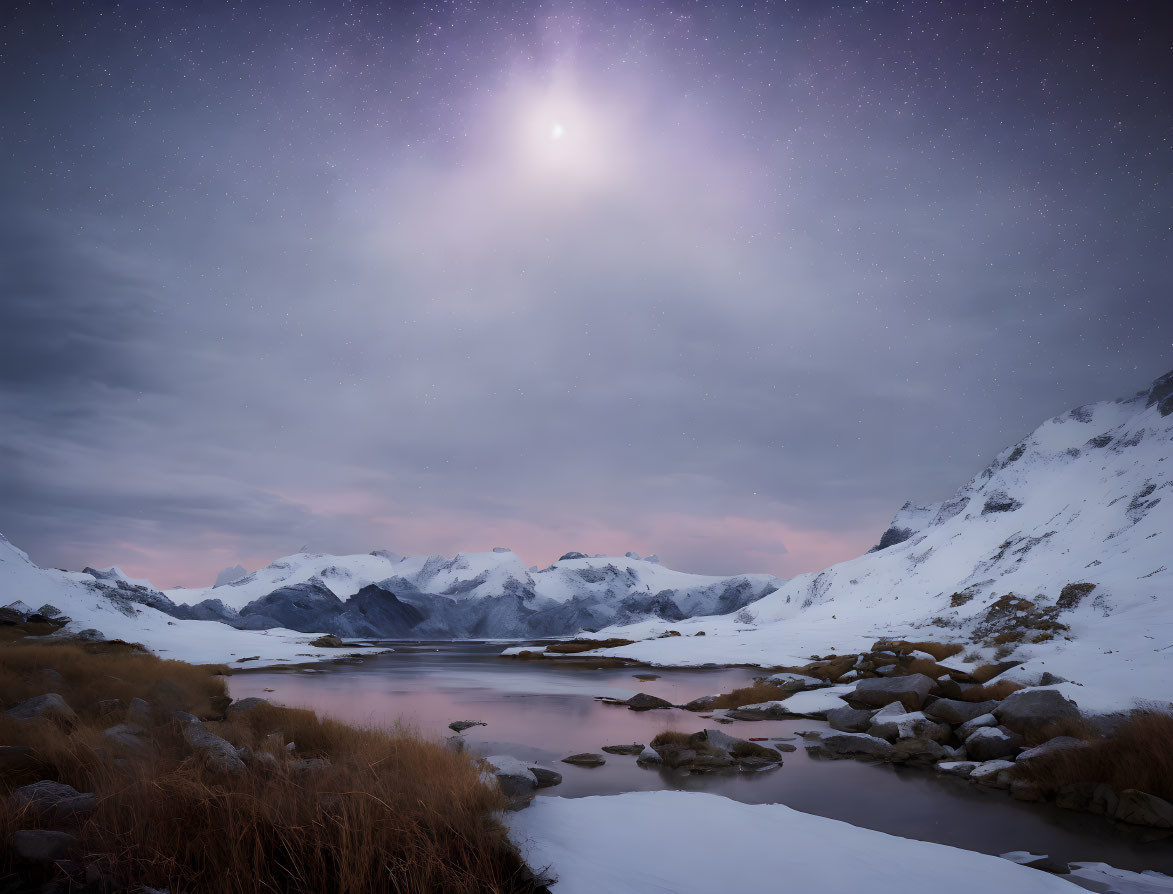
727, 285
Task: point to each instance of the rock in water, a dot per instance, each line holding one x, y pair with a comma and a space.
512, 775
644, 702
460, 726
586, 759
623, 749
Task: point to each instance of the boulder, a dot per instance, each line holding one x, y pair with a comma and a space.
1143, 809
951, 710
734, 747
585, 759
219, 753
644, 702
244, 705
761, 711
128, 737
43, 845
139, 711
63, 802
675, 755
991, 743
990, 773
544, 776
966, 729
1035, 712
306, 765
701, 704
1059, 743
837, 745
50, 707
623, 749
649, 756
850, 720
957, 768
459, 726
914, 725
917, 752
1025, 790
911, 690
790, 682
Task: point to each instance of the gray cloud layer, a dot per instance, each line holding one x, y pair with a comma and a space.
269, 279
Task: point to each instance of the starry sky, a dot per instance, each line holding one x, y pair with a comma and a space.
724, 282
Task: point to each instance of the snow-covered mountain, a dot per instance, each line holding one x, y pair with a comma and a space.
1075, 521
489, 594
105, 605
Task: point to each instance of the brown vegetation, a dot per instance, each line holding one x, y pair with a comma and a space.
939, 651
750, 695
998, 690
1136, 756
585, 645
383, 811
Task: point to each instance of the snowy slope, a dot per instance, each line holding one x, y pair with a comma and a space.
1086, 498
119, 610
490, 594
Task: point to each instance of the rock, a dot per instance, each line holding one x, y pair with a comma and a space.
733, 746
649, 756
675, 755
1036, 861
784, 746
545, 776
219, 753
914, 725
460, 726
43, 845
139, 711
837, 745
585, 759
850, 720
966, 729
63, 802
917, 752
1143, 809
952, 710
454, 743
911, 690
1025, 790
988, 773
1035, 712
166, 696
128, 737
701, 704
329, 641
623, 749
1103, 801
791, 682
761, 711
646, 677
50, 707
1059, 743
244, 705
1076, 796
49, 679
989, 743
308, 765
644, 702
108, 707
956, 768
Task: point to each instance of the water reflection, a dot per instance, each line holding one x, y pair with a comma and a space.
540, 711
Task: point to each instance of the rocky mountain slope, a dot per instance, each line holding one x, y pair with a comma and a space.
1058, 554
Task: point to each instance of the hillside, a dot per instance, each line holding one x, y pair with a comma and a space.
1075, 520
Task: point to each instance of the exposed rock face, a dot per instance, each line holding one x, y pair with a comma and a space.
1034, 712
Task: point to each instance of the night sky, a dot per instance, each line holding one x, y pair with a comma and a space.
724, 282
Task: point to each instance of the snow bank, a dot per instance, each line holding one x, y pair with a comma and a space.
694, 843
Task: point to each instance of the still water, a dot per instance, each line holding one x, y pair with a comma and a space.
541, 712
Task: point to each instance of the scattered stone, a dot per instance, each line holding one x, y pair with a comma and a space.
329, 641
644, 702
62, 802
917, 752
512, 775
733, 746
760, 711
139, 711
244, 705
128, 737
1059, 743
1032, 712
676, 755
850, 720
914, 725
1025, 790
460, 726
1143, 809
911, 690
49, 706
957, 768
837, 745
649, 756
646, 677
219, 753
952, 710
990, 743
701, 704
43, 845
791, 682
988, 773
585, 759
623, 749
970, 726
545, 776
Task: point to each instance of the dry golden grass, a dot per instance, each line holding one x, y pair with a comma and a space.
998, 690
750, 695
671, 737
388, 812
585, 645
1136, 756
987, 672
